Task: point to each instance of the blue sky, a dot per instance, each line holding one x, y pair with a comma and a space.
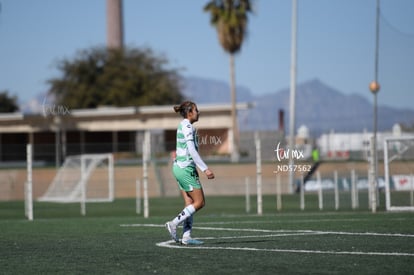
336, 41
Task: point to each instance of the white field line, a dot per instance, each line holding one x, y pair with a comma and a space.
170, 244
279, 233
282, 231
298, 221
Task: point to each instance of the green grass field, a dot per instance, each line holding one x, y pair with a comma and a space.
112, 239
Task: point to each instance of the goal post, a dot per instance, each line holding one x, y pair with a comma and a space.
28, 186
398, 172
83, 178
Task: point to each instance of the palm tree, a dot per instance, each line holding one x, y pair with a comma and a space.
229, 17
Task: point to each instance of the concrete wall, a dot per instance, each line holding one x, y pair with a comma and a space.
230, 179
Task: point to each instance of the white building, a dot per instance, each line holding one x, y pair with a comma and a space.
340, 145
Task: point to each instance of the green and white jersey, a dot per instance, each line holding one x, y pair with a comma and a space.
187, 146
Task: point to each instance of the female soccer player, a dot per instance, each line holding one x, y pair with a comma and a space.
185, 172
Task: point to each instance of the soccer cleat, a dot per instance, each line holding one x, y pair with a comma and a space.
172, 230
190, 241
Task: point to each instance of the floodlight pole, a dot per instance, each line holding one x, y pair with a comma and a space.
292, 93
375, 87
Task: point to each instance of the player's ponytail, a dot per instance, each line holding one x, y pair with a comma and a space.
184, 108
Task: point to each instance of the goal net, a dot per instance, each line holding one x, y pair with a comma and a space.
399, 173
83, 178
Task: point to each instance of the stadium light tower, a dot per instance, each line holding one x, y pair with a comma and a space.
292, 106
374, 88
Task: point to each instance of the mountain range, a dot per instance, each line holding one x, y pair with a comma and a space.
319, 107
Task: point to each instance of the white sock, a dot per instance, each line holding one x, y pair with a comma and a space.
187, 212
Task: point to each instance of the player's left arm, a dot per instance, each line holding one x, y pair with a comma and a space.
196, 156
